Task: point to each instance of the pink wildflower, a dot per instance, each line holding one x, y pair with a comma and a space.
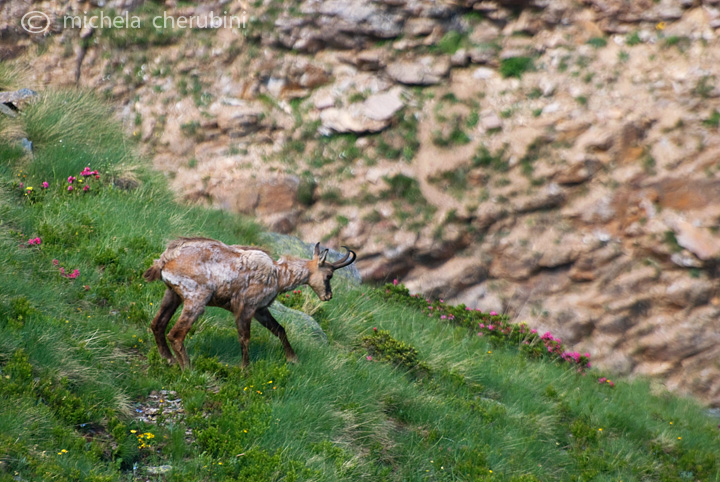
71, 179
443, 317
45, 185
70, 188
395, 282
56, 262
86, 188
369, 358
492, 313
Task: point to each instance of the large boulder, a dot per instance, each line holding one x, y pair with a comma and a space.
303, 322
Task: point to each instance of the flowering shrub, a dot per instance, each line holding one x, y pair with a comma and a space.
86, 177
294, 300
605, 381
497, 328
74, 274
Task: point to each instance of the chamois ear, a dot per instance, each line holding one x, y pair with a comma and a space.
316, 251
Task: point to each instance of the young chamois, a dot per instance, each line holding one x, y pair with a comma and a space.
244, 280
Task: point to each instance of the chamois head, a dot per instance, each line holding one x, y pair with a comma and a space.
321, 271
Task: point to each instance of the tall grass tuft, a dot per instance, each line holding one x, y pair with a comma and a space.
71, 129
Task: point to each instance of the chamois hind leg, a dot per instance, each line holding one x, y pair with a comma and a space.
243, 320
190, 313
168, 306
267, 320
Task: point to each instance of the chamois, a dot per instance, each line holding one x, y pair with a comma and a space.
244, 280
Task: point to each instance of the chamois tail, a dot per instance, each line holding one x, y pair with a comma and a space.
154, 272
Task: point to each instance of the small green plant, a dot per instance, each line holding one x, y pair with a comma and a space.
633, 39
705, 86
516, 66
456, 137
712, 121
535, 93
382, 346
306, 189
672, 242
681, 42
484, 158
451, 42
597, 42
403, 187
192, 129
649, 164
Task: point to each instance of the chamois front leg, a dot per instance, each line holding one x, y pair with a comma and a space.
168, 306
190, 313
267, 320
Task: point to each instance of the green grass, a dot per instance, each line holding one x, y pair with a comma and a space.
435, 401
516, 66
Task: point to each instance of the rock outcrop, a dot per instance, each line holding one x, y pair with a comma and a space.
557, 160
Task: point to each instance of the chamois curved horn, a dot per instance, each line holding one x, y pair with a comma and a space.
316, 250
341, 263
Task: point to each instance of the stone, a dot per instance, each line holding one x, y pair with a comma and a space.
482, 55
514, 264
491, 122
372, 115
686, 292
337, 24
459, 58
578, 172
236, 118
550, 196
158, 470
697, 240
420, 27
276, 195
484, 73
425, 70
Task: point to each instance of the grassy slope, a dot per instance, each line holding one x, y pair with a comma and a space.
76, 357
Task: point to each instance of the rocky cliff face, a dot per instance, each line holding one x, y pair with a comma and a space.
554, 159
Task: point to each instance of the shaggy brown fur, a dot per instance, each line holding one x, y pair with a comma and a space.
245, 280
